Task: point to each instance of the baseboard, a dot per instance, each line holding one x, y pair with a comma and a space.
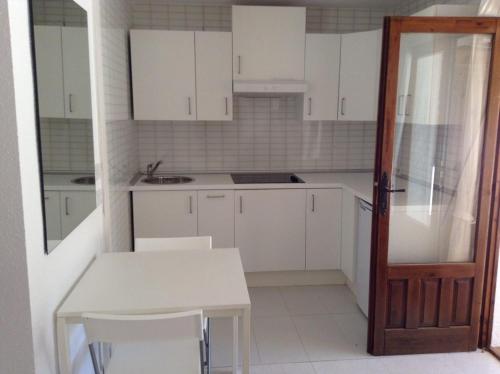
351, 286
295, 278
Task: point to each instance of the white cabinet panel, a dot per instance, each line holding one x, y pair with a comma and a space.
165, 214
349, 232
163, 74
359, 76
77, 97
53, 215
268, 42
75, 207
323, 229
216, 217
270, 229
214, 76
322, 76
49, 71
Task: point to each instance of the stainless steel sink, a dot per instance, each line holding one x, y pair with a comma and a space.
90, 180
176, 179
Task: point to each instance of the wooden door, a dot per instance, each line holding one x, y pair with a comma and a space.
214, 76
75, 52
322, 76
323, 229
434, 190
270, 228
163, 74
359, 76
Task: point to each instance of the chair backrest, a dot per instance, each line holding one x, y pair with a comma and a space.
107, 328
165, 244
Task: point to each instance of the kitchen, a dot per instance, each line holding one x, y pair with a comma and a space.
216, 120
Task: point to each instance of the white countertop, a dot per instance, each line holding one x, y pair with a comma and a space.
361, 184
62, 182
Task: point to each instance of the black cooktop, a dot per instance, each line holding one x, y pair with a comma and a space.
251, 178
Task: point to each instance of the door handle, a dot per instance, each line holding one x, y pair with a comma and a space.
384, 193
310, 106
216, 196
66, 206
189, 105
227, 109
70, 103
241, 204
239, 64
190, 204
342, 105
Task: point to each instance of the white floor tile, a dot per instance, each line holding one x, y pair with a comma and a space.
277, 340
221, 343
303, 301
366, 366
337, 299
323, 340
267, 301
354, 327
475, 362
300, 368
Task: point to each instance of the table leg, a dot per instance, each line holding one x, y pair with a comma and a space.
63, 346
235, 344
246, 341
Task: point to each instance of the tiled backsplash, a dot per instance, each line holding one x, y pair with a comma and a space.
67, 145
58, 12
266, 134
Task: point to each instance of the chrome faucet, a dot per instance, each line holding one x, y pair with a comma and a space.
152, 168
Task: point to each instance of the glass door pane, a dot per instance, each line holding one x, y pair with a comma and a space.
440, 116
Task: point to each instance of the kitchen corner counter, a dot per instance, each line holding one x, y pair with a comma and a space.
63, 182
360, 184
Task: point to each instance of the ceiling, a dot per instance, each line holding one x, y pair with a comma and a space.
332, 3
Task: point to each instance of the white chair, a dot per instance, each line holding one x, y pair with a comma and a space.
149, 344
165, 244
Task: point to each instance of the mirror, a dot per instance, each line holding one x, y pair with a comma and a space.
61, 61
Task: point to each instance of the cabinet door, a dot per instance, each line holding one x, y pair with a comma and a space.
323, 229
322, 76
53, 215
163, 214
349, 225
163, 74
214, 76
75, 49
270, 229
49, 71
75, 207
216, 217
268, 42
359, 76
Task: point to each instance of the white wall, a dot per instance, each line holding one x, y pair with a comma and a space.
16, 348
50, 277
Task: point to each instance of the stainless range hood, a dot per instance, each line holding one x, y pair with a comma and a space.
270, 86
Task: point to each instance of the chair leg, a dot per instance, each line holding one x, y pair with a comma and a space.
93, 356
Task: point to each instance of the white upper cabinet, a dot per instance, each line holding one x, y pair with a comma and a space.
268, 42
359, 76
163, 74
322, 76
49, 71
323, 229
214, 79
75, 48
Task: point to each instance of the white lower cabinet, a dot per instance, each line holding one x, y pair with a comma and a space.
323, 229
75, 207
53, 215
349, 232
165, 214
216, 217
270, 229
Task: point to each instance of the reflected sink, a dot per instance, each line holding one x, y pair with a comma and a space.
90, 180
167, 180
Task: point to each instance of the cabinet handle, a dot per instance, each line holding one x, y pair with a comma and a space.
189, 105
227, 109
241, 204
66, 206
71, 103
239, 64
342, 104
407, 111
313, 202
190, 204
310, 106
216, 196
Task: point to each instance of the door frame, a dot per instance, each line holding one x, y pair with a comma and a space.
487, 230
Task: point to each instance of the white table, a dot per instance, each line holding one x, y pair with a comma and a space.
161, 282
